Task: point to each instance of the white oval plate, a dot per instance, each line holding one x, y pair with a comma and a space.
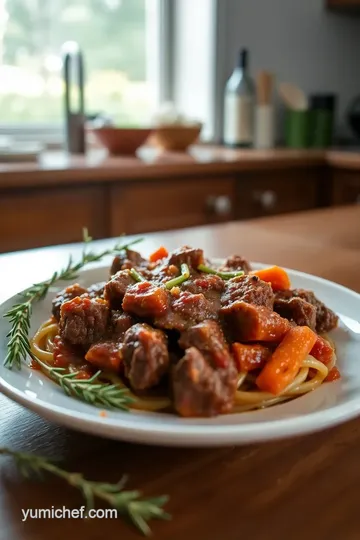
329, 405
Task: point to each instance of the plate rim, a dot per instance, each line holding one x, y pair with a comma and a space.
185, 434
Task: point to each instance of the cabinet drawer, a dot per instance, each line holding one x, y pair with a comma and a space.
346, 187
156, 206
265, 194
43, 217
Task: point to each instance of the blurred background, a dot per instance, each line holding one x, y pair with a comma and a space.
238, 95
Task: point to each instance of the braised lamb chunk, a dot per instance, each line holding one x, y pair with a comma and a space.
128, 259
249, 289
326, 319
116, 287
97, 290
190, 256
248, 322
236, 262
119, 323
66, 294
208, 338
201, 390
210, 286
146, 299
185, 310
296, 310
145, 356
83, 321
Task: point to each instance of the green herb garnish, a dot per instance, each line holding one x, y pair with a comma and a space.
109, 396
135, 275
223, 275
19, 315
185, 274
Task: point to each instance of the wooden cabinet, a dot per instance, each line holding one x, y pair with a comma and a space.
277, 192
171, 204
41, 217
52, 215
346, 187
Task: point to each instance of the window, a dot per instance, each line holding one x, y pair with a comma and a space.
118, 39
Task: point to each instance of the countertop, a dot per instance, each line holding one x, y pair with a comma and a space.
56, 168
305, 487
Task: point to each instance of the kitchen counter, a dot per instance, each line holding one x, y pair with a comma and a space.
56, 168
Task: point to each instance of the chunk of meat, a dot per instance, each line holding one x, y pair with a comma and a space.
106, 355
210, 286
236, 262
97, 290
297, 310
326, 319
208, 338
192, 257
146, 299
84, 321
145, 354
249, 289
201, 390
249, 356
185, 310
116, 287
248, 322
119, 323
66, 294
126, 260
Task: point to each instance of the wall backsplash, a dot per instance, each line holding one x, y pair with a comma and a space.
299, 40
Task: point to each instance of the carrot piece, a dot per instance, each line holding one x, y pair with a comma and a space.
333, 375
322, 351
160, 253
286, 360
274, 275
249, 357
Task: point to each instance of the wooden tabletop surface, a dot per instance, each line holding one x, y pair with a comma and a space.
306, 487
58, 168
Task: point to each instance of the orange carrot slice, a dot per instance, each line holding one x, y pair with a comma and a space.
160, 253
286, 360
276, 276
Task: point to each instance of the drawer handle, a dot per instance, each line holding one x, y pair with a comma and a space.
267, 198
220, 205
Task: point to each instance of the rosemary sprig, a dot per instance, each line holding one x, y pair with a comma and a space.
127, 503
109, 396
19, 315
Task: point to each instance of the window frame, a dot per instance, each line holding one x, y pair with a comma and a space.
158, 70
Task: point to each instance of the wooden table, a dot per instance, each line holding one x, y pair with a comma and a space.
305, 487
